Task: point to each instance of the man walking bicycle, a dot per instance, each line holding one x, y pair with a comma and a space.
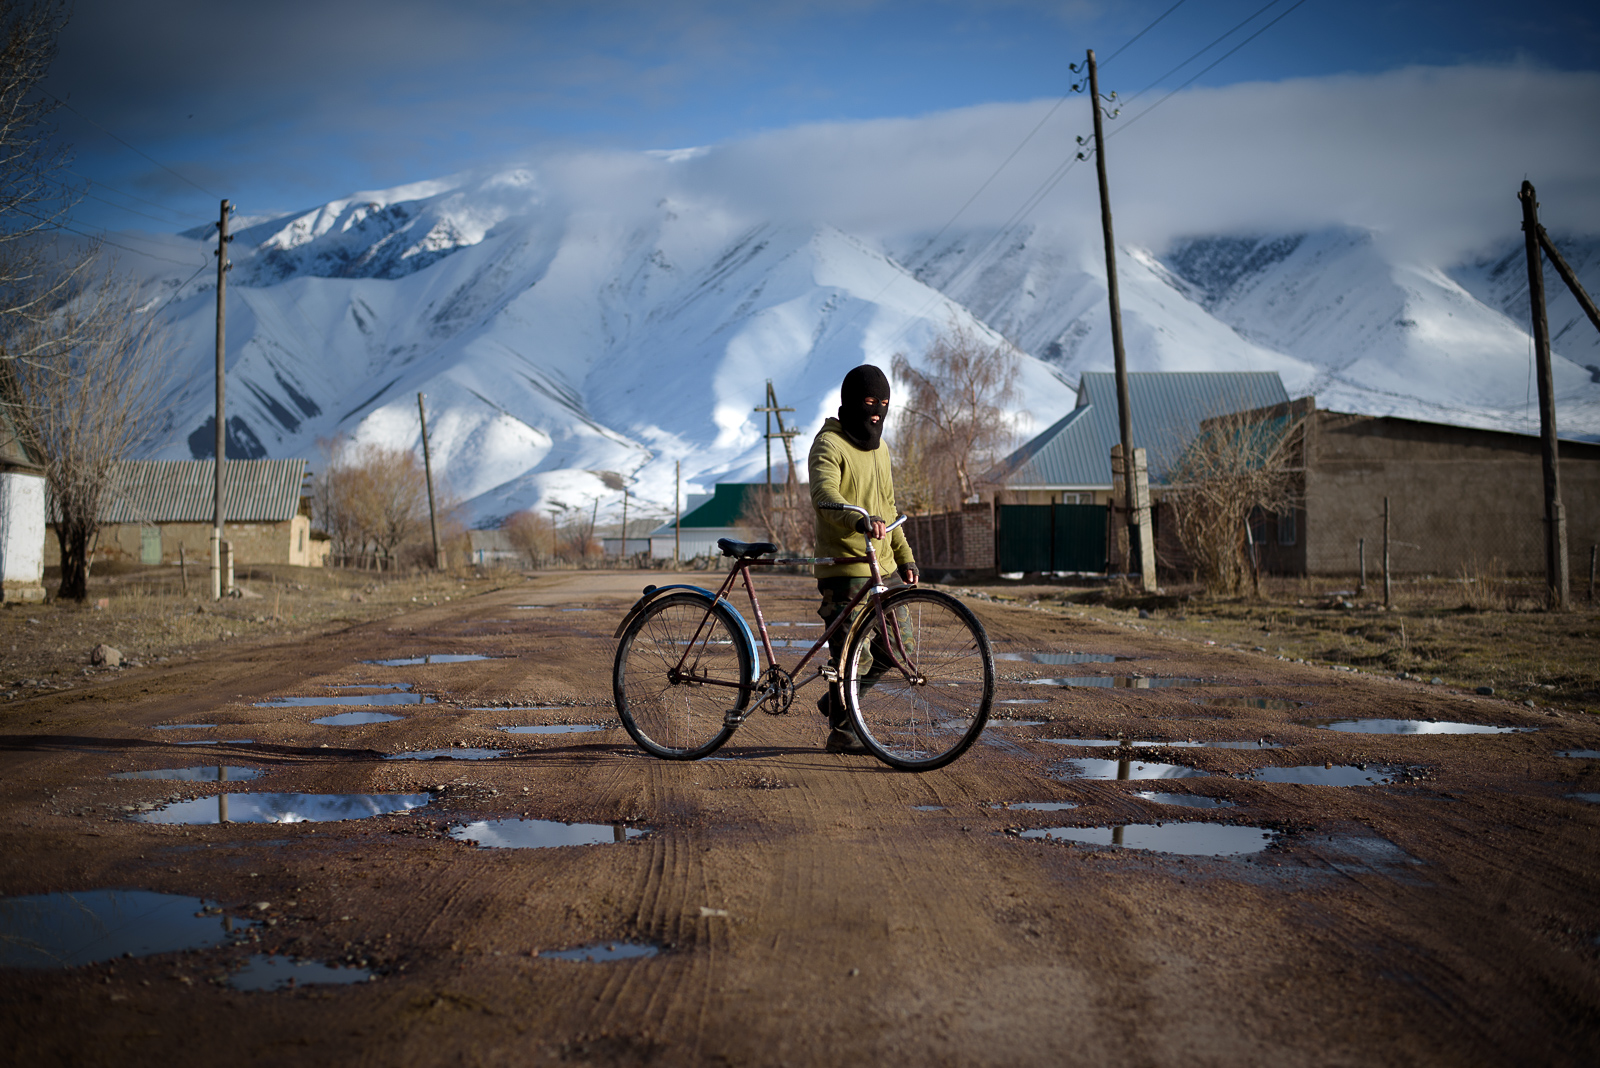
849, 464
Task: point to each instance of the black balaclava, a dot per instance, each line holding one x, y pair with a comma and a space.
863, 382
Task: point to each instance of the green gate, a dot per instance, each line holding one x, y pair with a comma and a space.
1051, 537
149, 545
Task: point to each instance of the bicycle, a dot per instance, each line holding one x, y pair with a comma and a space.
918, 689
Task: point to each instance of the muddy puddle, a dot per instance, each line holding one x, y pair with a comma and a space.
355, 719
1081, 768
1001, 721
1062, 658
1593, 799
183, 726
1024, 701
267, 972
1039, 806
603, 951
371, 699
1410, 726
459, 753
68, 929
206, 773
1186, 839
1105, 743
429, 658
927, 808
1580, 754
1124, 682
282, 808
543, 834
1320, 775
219, 741
1275, 704
1182, 800
555, 728
369, 686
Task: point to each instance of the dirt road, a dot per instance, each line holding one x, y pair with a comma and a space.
806, 908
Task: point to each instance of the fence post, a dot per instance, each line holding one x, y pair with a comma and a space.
1592, 549
1388, 590
1361, 559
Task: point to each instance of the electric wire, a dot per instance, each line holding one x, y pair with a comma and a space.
1141, 33
182, 216
100, 237
1202, 51
1218, 60
130, 148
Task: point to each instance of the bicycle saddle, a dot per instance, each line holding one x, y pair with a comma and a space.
744, 549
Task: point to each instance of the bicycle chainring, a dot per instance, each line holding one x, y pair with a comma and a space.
781, 685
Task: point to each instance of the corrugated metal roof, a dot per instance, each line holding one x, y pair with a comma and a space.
724, 507
181, 491
1075, 452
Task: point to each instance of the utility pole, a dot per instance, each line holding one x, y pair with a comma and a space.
1139, 558
221, 419
622, 554
677, 512
427, 473
772, 408
1555, 516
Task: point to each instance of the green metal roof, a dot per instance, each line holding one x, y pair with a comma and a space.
1075, 451
724, 507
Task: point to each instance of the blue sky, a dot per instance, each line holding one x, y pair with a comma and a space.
285, 104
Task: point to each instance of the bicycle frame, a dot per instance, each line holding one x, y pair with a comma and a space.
741, 570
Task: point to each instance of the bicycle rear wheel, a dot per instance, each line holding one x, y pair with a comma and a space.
918, 702
678, 714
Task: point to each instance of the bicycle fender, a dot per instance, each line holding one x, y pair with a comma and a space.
653, 592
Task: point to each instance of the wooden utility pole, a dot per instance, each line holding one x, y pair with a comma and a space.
677, 512
1137, 557
427, 473
1555, 516
622, 553
786, 435
1388, 590
221, 419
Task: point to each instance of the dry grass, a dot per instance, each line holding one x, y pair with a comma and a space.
149, 618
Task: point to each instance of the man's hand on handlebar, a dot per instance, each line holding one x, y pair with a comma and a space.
871, 524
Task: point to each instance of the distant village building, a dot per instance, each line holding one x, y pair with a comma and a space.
22, 526
707, 518
152, 508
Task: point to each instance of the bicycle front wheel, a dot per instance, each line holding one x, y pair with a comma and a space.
681, 665
919, 691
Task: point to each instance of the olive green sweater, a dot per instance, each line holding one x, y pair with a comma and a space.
844, 474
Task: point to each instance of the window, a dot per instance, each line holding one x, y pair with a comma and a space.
1287, 528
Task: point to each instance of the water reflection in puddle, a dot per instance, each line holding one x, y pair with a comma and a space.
367, 699
555, 728
603, 951
353, 719
927, 808
1002, 722
1024, 701
449, 754
1123, 682
1041, 806
282, 808
1409, 726
430, 658
62, 930
220, 741
542, 834
1278, 704
1062, 658
182, 726
1317, 775
208, 773
1082, 768
369, 686
1581, 754
264, 972
1112, 743
1188, 839
1182, 800
1593, 799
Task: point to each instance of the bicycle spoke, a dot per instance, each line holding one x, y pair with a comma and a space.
677, 673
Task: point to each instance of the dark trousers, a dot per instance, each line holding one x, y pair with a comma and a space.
836, 593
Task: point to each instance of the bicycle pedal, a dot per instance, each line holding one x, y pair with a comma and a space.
732, 717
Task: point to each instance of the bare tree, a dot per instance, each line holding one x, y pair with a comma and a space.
370, 499
954, 424
786, 517
1237, 464
532, 535
85, 398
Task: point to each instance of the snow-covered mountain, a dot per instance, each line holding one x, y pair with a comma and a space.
555, 342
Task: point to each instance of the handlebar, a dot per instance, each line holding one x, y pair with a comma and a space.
863, 513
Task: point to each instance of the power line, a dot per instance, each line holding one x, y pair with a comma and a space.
1218, 60
1107, 61
129, 147
133, 196
100, 237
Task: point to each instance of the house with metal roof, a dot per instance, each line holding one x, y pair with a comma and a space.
710, 516
1070, 462
161, 511
22, 525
